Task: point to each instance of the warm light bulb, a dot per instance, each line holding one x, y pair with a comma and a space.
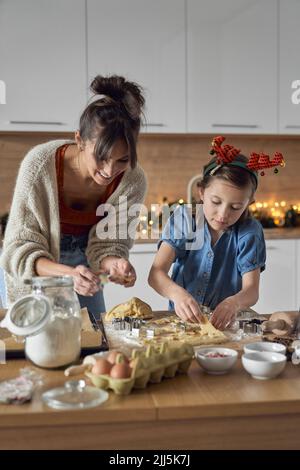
283, 203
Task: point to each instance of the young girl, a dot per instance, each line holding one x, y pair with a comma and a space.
224, 272
52, 226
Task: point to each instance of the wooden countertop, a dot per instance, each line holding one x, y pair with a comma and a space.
282, 233
270, 234
193, 411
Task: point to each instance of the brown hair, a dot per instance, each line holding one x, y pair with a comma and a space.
235, 175
115, 115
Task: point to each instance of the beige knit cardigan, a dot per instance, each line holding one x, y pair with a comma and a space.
33, 228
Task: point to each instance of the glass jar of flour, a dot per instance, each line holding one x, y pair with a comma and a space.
50, 321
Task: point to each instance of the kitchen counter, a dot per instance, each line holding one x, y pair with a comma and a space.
282, 233
193, 411
270, 234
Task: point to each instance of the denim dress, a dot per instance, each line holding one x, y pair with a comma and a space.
213, 273
72, 253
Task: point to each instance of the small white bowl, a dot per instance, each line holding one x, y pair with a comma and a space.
216, 365
264, 365
265, 346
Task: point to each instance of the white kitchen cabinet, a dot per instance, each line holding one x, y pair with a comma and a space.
42, 62
289, 57
298, 276
141, 257
145, 42
232, 66
278, 285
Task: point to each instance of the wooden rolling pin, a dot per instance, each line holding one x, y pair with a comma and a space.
281, 323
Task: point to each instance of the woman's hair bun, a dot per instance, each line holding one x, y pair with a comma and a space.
110, 86
120, 90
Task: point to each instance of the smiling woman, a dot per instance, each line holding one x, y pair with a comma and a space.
52, 231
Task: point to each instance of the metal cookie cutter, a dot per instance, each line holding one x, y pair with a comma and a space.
118, 323
251, 327
134, 325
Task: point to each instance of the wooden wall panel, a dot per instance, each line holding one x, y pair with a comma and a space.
169, 161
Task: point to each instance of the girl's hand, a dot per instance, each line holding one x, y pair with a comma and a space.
85, 281
187, 308
225, 313
122, 272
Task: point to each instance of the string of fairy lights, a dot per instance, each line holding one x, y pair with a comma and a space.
277, 213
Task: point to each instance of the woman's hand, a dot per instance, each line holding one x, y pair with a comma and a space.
85, 281
120, 271
187, 308
225, 313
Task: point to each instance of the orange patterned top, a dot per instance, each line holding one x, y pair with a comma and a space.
73, 221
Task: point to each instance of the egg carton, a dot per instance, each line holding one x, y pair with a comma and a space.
148, 366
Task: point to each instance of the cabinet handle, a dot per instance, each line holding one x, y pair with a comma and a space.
245, 126
51, 123
154, 124
292, 126
272, 248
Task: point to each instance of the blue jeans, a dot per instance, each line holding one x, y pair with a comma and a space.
72, 253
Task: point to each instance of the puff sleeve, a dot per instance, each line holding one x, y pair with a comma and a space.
251, 250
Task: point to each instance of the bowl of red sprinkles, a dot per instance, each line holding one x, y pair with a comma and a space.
216, 361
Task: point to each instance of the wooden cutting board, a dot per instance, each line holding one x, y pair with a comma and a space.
122, 340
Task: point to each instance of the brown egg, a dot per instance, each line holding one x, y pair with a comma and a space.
102, 366
112, 356
120, 371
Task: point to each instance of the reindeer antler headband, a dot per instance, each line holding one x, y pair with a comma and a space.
226, 154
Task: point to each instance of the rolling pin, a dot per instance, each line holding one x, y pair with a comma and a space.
281, 323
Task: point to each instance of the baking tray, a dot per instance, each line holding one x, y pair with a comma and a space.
98, 326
